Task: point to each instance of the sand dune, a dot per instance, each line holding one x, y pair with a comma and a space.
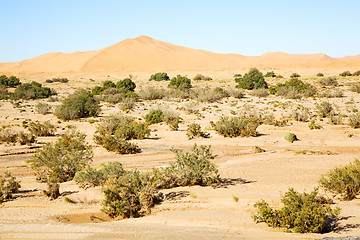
144, 54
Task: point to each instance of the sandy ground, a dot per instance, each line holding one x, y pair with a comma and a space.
197, 212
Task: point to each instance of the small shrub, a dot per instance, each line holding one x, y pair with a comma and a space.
154, 116
53, 186
42, 108
11, 81
270, 74
4, 94
126, 84
127, 104
152, 93
329, 81
78, 105
357, 73
302, 213
237, 126
172, 119
301, 115
159, 77
237, 75
324, 109
290, 137
261, 92
61, 80
199, 77
207, 95
295, 75
336, 119
33, 90
8, 186
132, 131
235, 93
335, 94
313, 126
354, 120
194, 131
8, 135
41, 129
257, 149
61, 160
345, 74
293, 89
25, 138
344, 181
180, 82
319, 75
355, 87
117, 145
92, 177
254, 79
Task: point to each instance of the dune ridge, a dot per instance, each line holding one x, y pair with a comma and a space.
144, 54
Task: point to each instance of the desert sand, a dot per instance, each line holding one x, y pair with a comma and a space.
195, 212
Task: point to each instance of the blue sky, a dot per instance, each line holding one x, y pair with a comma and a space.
30, 28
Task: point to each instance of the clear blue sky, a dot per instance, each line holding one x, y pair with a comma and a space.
30, 28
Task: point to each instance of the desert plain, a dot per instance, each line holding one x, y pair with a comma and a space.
194, 212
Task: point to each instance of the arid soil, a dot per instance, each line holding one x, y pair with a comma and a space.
188, 212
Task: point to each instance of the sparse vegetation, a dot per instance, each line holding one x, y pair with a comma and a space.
302, 213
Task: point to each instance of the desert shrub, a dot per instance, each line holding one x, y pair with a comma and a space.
302, 213
152, 93
345, 74
8, 135
329, 81
294, 88
154, 116
160, 76
33, 90
132, 131
295, 75
53, 188
335, 94
130, 195
194, 131
61, 80
301, 115
253, 79
290, 137
235, 93
25, 138
4, 94
355, 87
92, 177
260, 92
324, 109
41, 129
336, 119
354, 120
344, 181
199, 77
319, 75
270, 74
172, 119
110, 124
356, 73
237, 75
127, 84
180, 82
62, 159
8, 186
127, 104
257, 149
279, 76
313, 126
117, 145
42, 108
80, 104
237, 126
210, 95
11, 81
106, 85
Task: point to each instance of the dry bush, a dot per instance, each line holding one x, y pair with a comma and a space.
43, 108
329, 81
324, 109
261, 92
237, 126
152, 93
301, 115
8, 186
41, 129
354, 120
355, 87
194, 131
235, 93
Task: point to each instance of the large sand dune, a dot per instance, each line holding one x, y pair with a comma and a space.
144, 54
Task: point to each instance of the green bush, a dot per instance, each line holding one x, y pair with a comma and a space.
294, 88
117, 145
254, 79
355, 87
290, 137
33, 90
237, 126
329, 81
180, 82
295, 75
11, 81
42, 108
199, 77
62, 159
133, 130
159, 77
8, 186
344, 181
357, 73
345, 74
92, 177
319, 75
41, 129
354, 120
313, 126
78, 105
4, 94
270, 74
154, 116
324, 109
302, 213
194, 131
61, 80
126, 84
